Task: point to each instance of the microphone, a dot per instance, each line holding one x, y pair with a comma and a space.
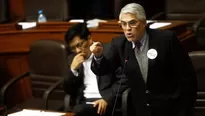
118, 88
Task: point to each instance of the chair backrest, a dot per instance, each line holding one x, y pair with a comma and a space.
48, 64
190, 10
184, 9
54, 10
198, 61
200, 35
4, 11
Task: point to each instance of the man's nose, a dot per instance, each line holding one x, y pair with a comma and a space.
128, 27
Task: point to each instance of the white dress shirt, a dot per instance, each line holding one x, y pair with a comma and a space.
90, 80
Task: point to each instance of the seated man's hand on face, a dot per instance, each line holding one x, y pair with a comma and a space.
97, 49
102, 105
77, 61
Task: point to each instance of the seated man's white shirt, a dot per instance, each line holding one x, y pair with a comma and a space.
90, 80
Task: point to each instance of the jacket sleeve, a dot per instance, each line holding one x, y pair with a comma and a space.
119, 85
71, 82
108, 62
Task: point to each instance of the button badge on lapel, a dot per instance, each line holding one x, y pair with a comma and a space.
152, 54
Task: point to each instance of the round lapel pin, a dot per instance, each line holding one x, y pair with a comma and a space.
152, 54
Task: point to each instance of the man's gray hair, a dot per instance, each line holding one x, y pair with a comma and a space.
134, 8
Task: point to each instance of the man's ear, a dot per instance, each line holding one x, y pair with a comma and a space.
144, 23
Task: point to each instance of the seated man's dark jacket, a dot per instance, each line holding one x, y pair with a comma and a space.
171, 87
107, 84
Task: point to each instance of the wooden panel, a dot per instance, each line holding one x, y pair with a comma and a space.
8, 27
13, 65
19, 42
104, 37
16, 9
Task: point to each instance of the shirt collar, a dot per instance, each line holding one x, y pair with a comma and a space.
90, 57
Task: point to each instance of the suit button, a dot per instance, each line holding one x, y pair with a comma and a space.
147, 91
147, 104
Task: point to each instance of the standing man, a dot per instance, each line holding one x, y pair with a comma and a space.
159, 71
93, 94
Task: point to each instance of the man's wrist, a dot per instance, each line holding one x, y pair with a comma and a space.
75, 72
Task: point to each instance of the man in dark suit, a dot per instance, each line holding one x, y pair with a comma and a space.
159, 71
94, 95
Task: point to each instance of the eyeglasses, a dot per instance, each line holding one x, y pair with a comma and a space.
132, 24
80, 45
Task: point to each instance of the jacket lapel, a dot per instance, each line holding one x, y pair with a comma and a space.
135, 79
132, 63
81, 70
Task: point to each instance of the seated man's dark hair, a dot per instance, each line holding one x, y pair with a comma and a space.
79, 29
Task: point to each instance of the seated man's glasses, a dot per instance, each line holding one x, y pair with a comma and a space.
132, 24
80, 45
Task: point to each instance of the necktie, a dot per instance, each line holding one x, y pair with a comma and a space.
138, 46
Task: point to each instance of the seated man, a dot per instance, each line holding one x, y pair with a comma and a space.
94, 94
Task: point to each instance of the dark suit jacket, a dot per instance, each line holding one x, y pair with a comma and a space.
107, 84
171, 82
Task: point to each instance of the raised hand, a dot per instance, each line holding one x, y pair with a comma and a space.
77, 61
97, 49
